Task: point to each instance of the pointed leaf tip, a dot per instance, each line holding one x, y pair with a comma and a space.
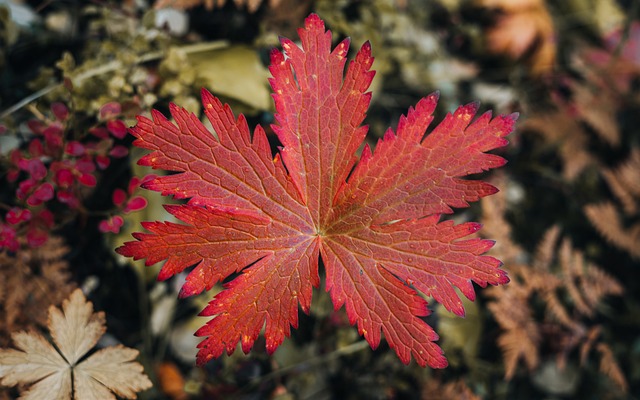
314, 21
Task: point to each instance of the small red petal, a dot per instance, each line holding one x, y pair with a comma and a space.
53, 136
110, 110
36, 126
46, 218
36, 149
13, 175
119, 151
44, 192
36, 237
99, 132
64, 178
113, 224
119, 197
135, 204
74, 148
117, 222
68, 198
88, 180
85, 165
8, 238
103, 162
25, 187
117, 128
60, 111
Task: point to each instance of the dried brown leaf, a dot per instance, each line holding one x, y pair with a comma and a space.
609, 367
523, 31
30, 281
456, 390
598, 109
560, 129
587, 345
569, 295
597, 283
572, 263
607, 221
545, 251
75, 330
624, 182
495, 225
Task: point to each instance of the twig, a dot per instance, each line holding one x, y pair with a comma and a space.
110, 67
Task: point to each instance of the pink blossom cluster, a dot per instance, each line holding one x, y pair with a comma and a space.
60, 165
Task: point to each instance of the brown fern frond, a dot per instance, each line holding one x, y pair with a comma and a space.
570, 138
521, 337
587, 345
495, 225
572, 263
517, 344
624, 182
596, 284
31, 280
629, 172
546, 249
456, 390
598, 110
252, 5
557, 310
609, 366
621, 191
606, 220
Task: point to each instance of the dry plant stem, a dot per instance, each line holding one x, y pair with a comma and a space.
111, 67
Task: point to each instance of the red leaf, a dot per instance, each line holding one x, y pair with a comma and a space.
269, 219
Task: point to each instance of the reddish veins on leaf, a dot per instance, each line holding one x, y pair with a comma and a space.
374, 221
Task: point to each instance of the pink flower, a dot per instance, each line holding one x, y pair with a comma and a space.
43, 193
17, 215
112, 224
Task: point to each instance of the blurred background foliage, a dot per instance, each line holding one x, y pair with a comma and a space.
567, 219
